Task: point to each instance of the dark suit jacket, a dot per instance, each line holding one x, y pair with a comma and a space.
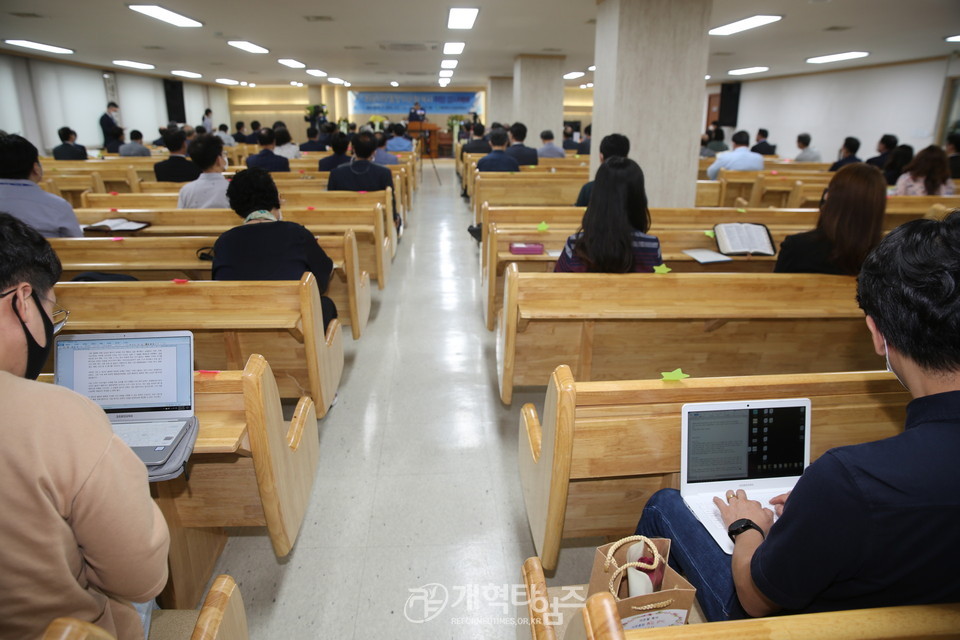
476, 146
252, 138
879, 161
498, 160
239, 137
844, 162
807, 252
268, 161
584, 147
360, 175
176, 169
332, 161
523, 154
67, 151
570, 144
313, 145
111, 133
583, 198
954, 166
764, 148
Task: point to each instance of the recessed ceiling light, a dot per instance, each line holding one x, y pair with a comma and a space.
592, 67
837, 57
133, 65
186, 74
317, 73
589, 85
573, 75
583, 86
948, 39
742, 25
444, 82
462, 18
448, 64
446, 73
39, 46
293, 83
747, 71
243, 83
159, 13
453, 48
706, 77
252, 84
247, 46
394, 84
290, 62
347, 84
335, 80
228, 81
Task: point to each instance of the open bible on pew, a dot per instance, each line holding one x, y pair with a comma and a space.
116, 224
742, 238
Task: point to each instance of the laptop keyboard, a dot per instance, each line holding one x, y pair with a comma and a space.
148, 434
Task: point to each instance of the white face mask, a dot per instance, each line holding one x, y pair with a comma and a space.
886, 355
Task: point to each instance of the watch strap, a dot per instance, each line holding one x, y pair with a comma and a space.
742, 525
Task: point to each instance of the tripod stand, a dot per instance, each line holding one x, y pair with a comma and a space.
425, 138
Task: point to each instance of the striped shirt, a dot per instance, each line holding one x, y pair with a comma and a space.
646, 254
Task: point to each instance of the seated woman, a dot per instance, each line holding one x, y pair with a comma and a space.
849, 227
265, 247
927, 175
285, 146
613, 235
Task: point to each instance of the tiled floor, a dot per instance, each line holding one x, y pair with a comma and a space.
417, 481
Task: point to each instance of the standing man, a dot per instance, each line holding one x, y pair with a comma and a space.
110, 125
69, 149
740, 159
416, 113
22, 197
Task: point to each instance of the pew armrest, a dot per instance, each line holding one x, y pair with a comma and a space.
530, 423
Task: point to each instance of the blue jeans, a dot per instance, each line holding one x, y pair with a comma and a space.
693, 552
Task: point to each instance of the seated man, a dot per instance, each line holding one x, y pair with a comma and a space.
517, 150
569, 144
868, 525
848, 153
339, 143
313, 141
240, 135
497, 159
176, 168
763, 147
135, 147
381, 156
888, 142
86, 538
22, 197
209, 191
615, 144
477, 143
361, 174
739, 159
807, 153
583, 148
69, 149
253, 137
223, 132
399, 141
267, 159
549, 150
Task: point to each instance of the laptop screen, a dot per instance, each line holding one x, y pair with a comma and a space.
745, 443
129, 373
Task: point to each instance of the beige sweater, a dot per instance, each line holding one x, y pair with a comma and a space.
79, 533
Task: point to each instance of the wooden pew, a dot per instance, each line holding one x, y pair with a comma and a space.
167, 257
918, 206
70, 186
113, 178
230, 320
517, 189
708, 194
579, 479
114, 169
610, 327
889, 623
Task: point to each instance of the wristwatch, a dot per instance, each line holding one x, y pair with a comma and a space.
743, 524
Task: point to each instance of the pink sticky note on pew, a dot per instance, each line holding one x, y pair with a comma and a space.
116, 239
180, 281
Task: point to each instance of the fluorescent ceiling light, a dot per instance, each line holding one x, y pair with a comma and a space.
133, 65
462, 18
448, 64
293, 83
159, 13
317, 73
39, 46
592, 67
453, 48
243, 83
394, 84
290, 62
589, 85
252, 84
186, 74
837, 57
583, 86
347, 84
743, 25
444, 82
747, 71
573, 75
706, 77
335, 80
228, 81
247, 46
446, 73
948, 39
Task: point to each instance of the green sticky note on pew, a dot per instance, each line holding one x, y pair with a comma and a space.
709, 233
543, 226
741, 210
676, 374
662, 268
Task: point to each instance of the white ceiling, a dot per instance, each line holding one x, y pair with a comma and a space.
351, 45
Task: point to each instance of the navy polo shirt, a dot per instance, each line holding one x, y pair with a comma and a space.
874, 524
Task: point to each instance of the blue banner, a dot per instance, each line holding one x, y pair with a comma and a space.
390, 102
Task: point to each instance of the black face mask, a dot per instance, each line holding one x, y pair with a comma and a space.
36, 355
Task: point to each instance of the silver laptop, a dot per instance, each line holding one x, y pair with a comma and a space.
759, 446
143, 381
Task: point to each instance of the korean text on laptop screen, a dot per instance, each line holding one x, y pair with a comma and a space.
134, 374
739, 444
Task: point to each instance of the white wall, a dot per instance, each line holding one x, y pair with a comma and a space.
143, 105
67, 96
903, 100
220, 103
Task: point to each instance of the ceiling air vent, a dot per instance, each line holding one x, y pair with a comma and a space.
838, 28
408, 47
25, 14
318, 18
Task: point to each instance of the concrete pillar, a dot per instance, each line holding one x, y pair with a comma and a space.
342, 104
328, 97
499, 100
651, 56
538, 95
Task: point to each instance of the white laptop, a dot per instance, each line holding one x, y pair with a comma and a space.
759, 446
143, 381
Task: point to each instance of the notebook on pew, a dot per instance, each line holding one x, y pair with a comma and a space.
760, 446
116, 224
143, 381
742, 238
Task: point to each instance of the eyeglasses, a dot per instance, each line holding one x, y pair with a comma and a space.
58, 317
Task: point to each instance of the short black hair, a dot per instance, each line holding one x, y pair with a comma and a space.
17, 157
954, 140
889, 141
266, 137
498, 138
763, 133
240, 124
255, 125
312, 132
478, 129
329, 127
519, 131
851, 144
282, 135
339, 143
588, 129
200, 130
399, 130
252, 190
615, 144
567, 133
546, 134
804, 139
26, 256
136, 135
207, 112
741, 138
364, 145
381, 140
223, 128
204, 150
173, 140
113, 104
910, 286
279, 124
65, 133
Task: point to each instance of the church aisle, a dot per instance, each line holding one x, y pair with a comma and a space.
417, 480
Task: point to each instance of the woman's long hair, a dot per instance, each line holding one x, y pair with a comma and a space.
851, 215
932, 165
618, 207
